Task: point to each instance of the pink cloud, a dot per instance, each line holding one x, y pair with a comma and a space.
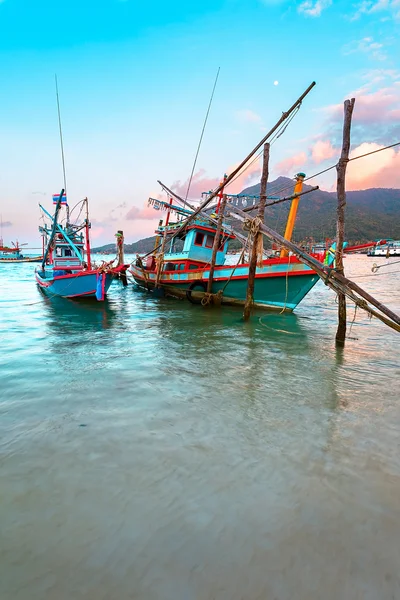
96, 232
286, 166
147, 213
378, 170
200, 183
245, 178
370, 107
322, 150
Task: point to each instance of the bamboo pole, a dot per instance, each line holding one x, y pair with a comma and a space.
216, 243
285, 199
257, 237
341, 196
236, 171
293, 211
331, 278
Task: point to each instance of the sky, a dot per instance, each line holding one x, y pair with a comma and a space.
135, 80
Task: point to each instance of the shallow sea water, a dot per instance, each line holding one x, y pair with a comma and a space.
155, 450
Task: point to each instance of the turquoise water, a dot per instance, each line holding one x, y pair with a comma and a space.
155, 450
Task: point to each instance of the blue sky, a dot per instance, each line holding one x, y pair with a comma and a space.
135, 80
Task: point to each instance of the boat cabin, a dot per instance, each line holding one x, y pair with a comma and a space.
193, 249
66, 253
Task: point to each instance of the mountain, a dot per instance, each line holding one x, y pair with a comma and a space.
370, 214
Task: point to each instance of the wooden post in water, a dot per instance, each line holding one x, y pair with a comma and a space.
120, 255
216, 244
258, 237
120, 247
341, 196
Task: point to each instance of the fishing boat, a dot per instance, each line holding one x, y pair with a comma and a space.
386, 248
183, 271
66, 268
14, 255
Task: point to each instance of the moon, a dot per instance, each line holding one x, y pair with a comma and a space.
276, 82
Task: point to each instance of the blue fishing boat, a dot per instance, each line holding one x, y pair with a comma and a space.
183, 271
66, 268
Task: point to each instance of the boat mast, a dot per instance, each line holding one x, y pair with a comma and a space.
87, 227
53, 231
62, 146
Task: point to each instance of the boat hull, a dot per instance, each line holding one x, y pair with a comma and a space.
33, 259
279, 286
75, 285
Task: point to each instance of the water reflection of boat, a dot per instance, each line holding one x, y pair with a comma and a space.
69, 316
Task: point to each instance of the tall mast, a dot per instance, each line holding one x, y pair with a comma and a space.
53, 230
87, 226
62, 146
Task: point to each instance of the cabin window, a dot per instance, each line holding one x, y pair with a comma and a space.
192, 267
210, 240
169, 266
182, 267
199, 239
58, 251
67, 252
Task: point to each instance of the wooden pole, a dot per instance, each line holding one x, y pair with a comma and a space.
120, 248
161, 253
204, 214
236, 171
330, 277
216, 243
120, 256
258, 237
341, 196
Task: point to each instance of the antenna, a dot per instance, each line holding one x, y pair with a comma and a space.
62, 145
202, 133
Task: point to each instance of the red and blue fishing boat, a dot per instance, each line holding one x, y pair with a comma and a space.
14, 255
66, 268
183, 270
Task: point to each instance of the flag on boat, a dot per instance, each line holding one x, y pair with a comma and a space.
63, 199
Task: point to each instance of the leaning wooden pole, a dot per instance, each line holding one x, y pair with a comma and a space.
341, 196
216, 243
237, 170
257, 238
331, 278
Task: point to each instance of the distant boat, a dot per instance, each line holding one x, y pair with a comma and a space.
66, 268
14, 255
386, 248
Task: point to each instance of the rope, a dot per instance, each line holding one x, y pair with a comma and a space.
375, 267
275, 329
287, 286
202, 133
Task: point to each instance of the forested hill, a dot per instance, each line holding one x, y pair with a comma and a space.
370, 214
